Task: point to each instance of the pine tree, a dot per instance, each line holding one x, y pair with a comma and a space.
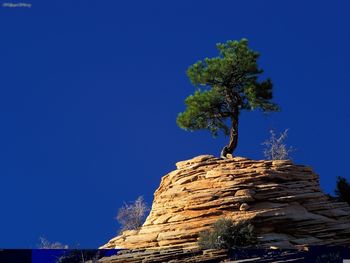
343, 190
226, 85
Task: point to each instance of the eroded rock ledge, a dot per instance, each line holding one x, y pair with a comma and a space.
283, 200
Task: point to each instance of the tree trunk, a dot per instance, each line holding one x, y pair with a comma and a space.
229, 149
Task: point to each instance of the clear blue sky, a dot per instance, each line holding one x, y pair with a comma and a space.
90, 90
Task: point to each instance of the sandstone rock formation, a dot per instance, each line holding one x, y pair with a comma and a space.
173, 255
180, 255
283, 200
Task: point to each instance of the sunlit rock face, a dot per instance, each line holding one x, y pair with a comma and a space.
282, 200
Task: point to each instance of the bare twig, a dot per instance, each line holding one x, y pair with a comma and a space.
275, 147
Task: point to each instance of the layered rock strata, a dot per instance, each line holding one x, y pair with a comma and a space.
179, 255
173, 255
283, 201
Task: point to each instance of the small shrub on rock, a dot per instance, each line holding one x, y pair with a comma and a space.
227, 234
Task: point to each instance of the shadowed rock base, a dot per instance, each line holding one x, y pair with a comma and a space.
319, 254
167, 255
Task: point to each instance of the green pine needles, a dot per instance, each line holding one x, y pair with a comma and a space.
227, 234
226, 84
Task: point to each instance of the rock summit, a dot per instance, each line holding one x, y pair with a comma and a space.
283, 201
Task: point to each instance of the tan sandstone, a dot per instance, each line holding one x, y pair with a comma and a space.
283, 200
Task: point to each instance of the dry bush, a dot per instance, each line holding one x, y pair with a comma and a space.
45, 244
132, 216
276, 148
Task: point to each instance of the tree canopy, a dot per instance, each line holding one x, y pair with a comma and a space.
343, 190
225, 85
